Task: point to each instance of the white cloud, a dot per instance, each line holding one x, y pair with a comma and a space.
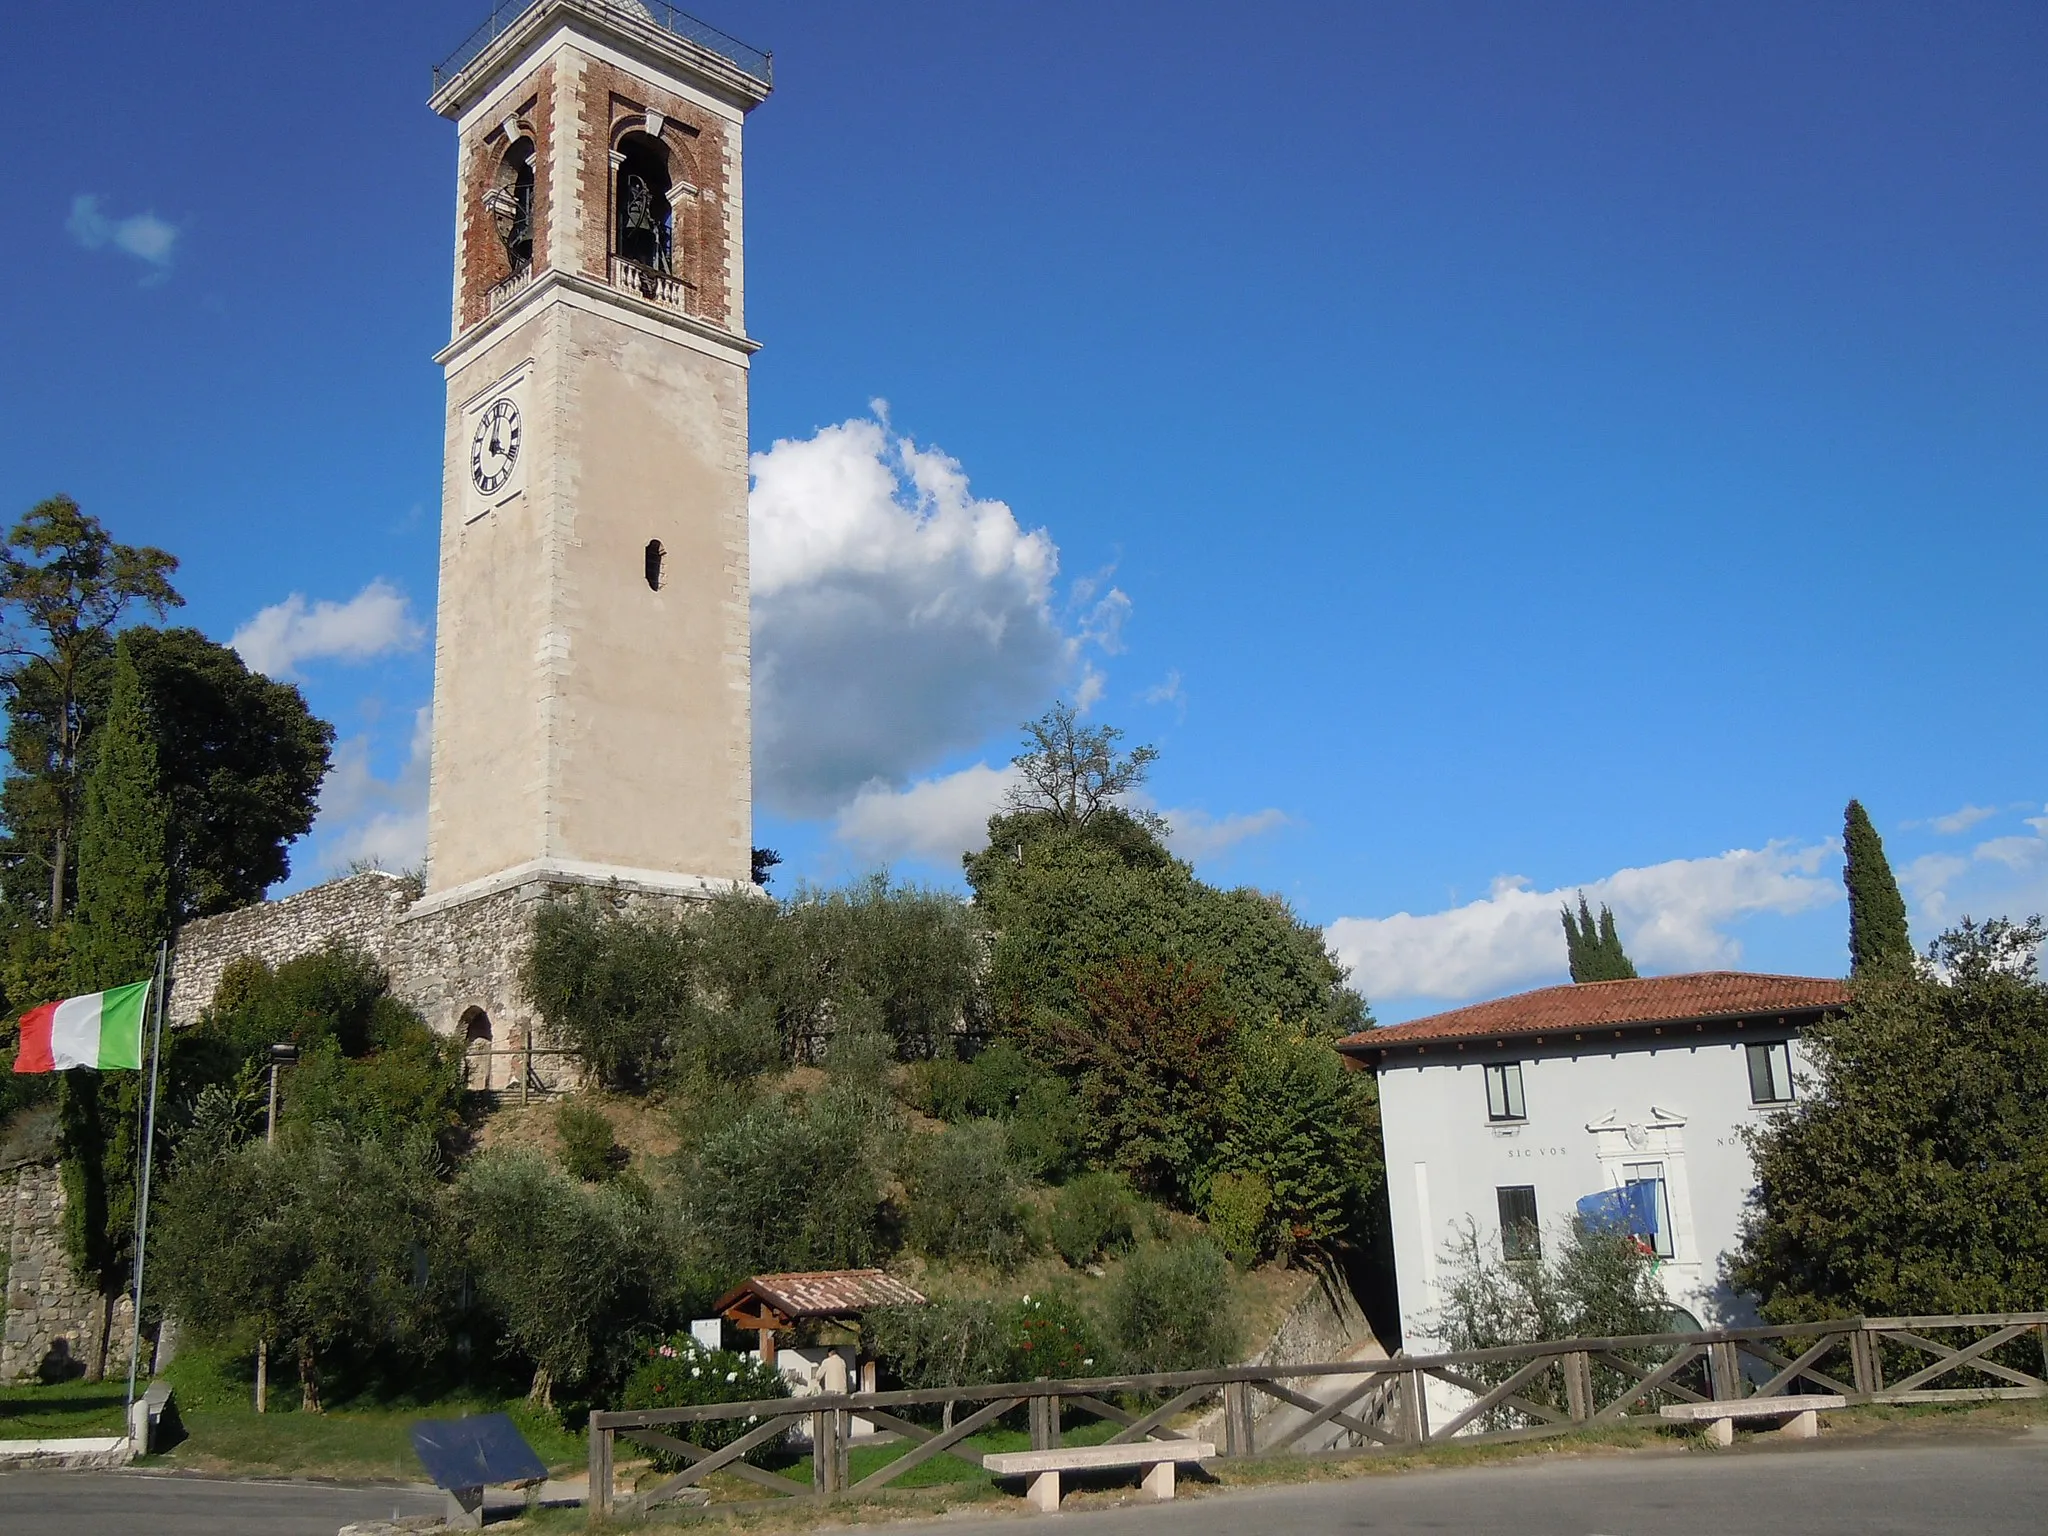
1197, 835
1164, 692
935, 819
381, 821
375, 622
2016, 853
1671, 916
1962, 820
142, 235
897, 616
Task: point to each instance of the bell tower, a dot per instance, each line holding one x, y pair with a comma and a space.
591, 665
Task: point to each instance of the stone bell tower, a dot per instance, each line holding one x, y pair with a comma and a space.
591, 691
591, 667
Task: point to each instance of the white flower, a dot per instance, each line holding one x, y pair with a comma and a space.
1027, 1298
732, 1375
696, 1370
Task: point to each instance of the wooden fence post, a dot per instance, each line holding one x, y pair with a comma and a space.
1724, 1371
1237, 1419
1414, 1410
1045, 1422
1578, 1385
1860, 1361
825, 1454
599, 1499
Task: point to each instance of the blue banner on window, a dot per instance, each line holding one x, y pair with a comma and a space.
1632, 1208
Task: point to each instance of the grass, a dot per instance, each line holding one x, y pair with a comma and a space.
69, 1410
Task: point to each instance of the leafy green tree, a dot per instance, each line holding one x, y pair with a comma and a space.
327, 1243
65, 584
1594, 948
1878, 938
616, 988
570, 1271
1093, 1215
39, 792
589, 1149
1912, 1175
1149, 1060
241, 760
1073, 774
1306, 1128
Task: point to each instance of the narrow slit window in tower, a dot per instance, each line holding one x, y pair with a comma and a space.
655, 554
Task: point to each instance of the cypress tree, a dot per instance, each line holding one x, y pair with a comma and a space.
1593, 947
1615, 964
123, 907
1878, 938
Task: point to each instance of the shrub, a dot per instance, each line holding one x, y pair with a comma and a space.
678, 1372
942, 1088
1239, 1205
1051, 1337
783, 1187
1046, 1129
589, 1150
1169, 1307
1092, 1216
963, 1342
964, 1202
1001, 1075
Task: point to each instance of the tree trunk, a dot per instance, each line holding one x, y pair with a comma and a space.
542, 1393
309, 1379
57, 879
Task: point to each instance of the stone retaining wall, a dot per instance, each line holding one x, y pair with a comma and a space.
52, 1317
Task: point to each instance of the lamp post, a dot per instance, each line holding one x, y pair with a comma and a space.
282, 1055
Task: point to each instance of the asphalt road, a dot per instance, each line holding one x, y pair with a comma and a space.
1986, 1487
142, 1504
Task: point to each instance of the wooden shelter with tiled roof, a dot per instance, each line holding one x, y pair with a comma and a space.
769, 1304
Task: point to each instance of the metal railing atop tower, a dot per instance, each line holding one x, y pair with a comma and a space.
751, 60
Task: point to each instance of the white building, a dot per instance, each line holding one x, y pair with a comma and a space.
1507, 1113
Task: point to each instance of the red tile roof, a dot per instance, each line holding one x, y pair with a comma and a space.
1611, 1004
826, 1292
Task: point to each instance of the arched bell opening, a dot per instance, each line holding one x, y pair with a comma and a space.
511, 205
644, 228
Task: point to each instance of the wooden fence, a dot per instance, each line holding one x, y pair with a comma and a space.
1526, 1391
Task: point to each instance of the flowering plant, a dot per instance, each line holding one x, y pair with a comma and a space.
678, 1372
1050, 1336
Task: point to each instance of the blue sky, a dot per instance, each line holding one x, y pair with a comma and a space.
1491, 450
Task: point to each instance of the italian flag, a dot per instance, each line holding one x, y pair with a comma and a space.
103, 1031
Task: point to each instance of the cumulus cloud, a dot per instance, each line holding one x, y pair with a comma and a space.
364, 818
936, 819
144, 236
1671, 914
375, 622
1197, 835
1962, 820
897, 616
1166, 691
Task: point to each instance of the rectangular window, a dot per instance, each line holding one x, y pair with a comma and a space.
1504, 1093
1653, 1175
1770, 1073
1520, 1236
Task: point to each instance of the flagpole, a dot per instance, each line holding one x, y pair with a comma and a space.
142, 1202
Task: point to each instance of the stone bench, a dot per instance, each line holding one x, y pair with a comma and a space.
1043, 1468
1799, 1417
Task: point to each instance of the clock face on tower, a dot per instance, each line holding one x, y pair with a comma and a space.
494, 448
